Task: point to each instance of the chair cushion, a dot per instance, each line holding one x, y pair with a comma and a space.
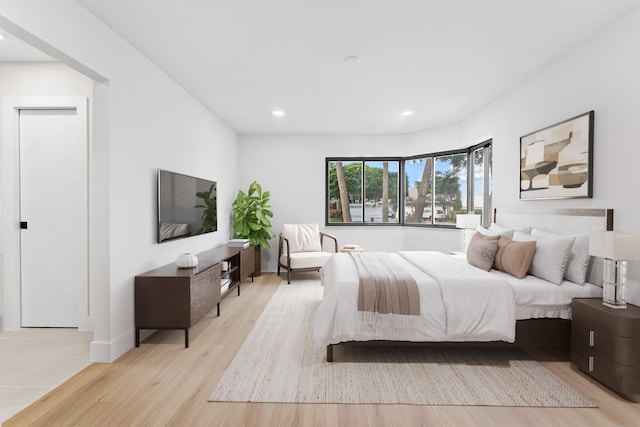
306, 259
302, 237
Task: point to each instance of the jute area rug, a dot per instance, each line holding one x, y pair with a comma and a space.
277, 363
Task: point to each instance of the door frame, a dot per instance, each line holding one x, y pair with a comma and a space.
10, 206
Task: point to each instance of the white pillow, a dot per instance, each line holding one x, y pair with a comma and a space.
500, 230
551, 257
526, 230
302, 237
578, 263
507, 232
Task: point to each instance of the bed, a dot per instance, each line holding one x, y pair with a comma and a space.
460, 304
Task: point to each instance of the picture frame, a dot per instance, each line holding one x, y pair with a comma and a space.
556, 162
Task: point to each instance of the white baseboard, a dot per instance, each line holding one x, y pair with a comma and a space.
107, 352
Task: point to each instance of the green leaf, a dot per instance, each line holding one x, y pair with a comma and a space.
251, 211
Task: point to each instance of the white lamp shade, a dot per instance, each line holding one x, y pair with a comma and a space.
615, 245
467, 220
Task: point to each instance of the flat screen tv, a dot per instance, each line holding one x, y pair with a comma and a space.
187, 206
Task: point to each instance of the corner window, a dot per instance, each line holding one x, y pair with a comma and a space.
426, 190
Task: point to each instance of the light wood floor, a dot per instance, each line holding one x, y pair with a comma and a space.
162, 383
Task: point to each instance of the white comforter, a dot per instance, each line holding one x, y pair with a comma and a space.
458, 302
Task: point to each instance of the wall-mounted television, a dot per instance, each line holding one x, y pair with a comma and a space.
187, 206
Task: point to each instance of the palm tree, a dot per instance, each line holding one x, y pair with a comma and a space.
424, 189
385, 191
344, 194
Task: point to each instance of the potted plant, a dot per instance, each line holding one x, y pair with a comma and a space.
251, 211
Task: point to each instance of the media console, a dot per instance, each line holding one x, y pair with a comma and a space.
176, 298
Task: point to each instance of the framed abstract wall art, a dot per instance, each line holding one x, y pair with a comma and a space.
557, 162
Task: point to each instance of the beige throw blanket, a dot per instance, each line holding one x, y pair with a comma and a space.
387, 295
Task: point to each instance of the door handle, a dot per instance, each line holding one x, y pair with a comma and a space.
23, 225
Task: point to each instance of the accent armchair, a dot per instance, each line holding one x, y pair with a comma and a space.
300, 248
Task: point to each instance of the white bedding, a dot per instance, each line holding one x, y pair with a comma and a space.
458, 302
537, 298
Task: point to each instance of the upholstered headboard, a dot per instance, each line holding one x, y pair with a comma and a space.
561, 221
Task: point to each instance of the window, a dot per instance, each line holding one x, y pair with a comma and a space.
363, 191
344, 191
418, 197
435, 188
450, 188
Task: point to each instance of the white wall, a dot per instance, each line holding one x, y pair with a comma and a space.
601, 75
292, 167
145, 121
42, 79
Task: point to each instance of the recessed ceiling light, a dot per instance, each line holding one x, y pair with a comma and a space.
407, 113
278, 113
351, 59
1, 37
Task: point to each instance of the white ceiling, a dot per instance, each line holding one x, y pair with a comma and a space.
442, 59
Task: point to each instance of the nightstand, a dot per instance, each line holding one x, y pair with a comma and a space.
605, 344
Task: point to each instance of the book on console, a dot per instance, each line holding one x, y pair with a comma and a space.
240, 243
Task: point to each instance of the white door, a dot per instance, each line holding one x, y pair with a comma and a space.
53, 215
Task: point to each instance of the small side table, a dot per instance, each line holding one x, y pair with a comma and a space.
605, 344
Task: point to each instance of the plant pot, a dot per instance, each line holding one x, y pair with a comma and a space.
257, 270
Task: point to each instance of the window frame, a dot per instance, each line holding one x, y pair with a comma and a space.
469, 151
364, 160
487, 206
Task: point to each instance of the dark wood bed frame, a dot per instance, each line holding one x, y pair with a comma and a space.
536, 333
531, 333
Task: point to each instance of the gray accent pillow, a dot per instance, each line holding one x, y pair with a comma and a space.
481, 251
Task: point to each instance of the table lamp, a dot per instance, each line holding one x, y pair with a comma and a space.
616, 248
467, 222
